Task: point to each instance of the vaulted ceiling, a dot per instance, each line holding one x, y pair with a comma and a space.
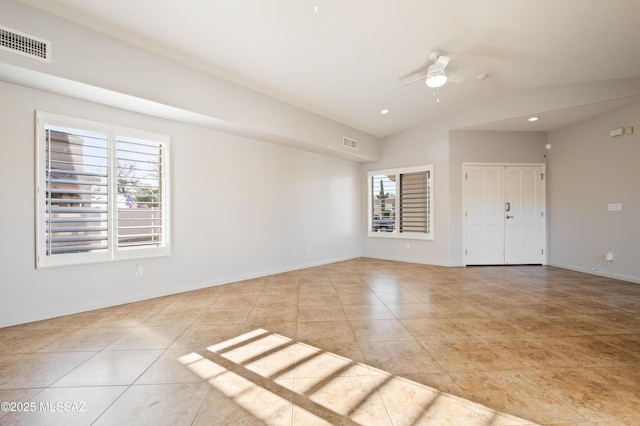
348, 60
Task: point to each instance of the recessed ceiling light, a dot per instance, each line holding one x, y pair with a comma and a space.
384, 111
533, 119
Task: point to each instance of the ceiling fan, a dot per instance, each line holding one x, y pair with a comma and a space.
436, 76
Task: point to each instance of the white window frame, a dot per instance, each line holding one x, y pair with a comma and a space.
396, 231
113, 252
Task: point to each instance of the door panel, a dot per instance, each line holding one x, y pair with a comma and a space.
524, 223
493, 234
485, 219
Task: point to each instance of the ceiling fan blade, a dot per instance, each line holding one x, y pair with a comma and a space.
414, 80
454, 78
441, 63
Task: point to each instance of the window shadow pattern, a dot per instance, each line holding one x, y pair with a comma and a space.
278, 380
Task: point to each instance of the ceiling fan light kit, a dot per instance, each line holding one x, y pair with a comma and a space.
436, 78
436, 75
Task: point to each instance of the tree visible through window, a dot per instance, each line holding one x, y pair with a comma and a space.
140, 167
383, 203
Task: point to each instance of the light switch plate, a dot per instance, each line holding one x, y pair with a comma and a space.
615, 207
617, 132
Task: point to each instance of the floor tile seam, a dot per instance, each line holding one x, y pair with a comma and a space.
505, 361
73, 387
244, 322
534, 372
109, 385
39, 391
202, 404
323, 381
163, 351
52, 385
607, 344
317, 305
186, 327
171, 344
619, 346
531, 382
358, 344
557, 394
95, 353
379, 392
437, 361
380, 341
108, 407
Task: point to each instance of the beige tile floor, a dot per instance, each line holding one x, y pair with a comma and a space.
365, 342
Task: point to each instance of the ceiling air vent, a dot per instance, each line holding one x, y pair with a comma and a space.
349, 143
24, 44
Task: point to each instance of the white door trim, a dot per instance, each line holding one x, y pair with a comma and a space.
465, 166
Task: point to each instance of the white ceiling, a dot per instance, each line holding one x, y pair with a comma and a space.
349, 59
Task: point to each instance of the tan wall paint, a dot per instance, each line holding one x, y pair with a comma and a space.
588, 170
484, 147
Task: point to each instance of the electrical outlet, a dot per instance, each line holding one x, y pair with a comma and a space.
609, 257
139, 270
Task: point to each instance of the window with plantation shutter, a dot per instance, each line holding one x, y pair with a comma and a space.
400, 203
414, 202
140, 168
101, 192
76, 191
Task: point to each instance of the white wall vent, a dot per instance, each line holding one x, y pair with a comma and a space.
349, 143
25, 44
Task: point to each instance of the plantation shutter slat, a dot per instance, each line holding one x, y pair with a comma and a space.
414, 202
140, 167
76, 201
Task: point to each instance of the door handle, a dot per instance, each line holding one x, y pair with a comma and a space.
509, 217
507, 207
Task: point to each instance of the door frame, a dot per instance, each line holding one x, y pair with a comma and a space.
545, 227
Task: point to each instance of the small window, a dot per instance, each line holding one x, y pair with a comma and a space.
400, 203
101, 192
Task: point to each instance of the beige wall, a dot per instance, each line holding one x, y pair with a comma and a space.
241, 208
469, 146
156, 85
588, 170
414, 147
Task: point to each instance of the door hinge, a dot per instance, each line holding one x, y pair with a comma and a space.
465, 214
541, 176
465, 252
466, 176
541, 214
541, 251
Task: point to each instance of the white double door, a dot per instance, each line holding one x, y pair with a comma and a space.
504, 214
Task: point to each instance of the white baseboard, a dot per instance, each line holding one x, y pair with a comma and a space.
598, 273
130, 298
399, 259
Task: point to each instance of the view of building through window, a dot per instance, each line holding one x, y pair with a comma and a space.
383, 203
